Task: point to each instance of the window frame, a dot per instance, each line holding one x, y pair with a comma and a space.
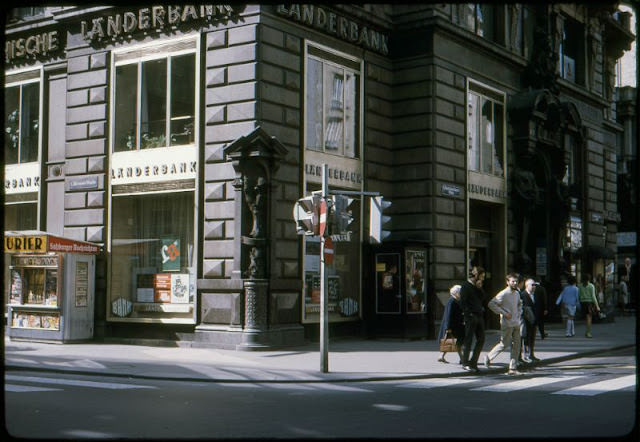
154, 52
495, 96
31, 198
345, 62
573, 39
30, 76
135, 55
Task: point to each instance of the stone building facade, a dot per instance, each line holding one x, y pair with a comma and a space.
179, 138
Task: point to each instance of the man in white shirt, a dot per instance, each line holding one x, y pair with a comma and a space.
508, 304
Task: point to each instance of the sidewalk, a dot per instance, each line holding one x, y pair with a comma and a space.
349, 359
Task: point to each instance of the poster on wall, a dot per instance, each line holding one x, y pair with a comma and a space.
82, 283
415, 277
180, 288
170, 254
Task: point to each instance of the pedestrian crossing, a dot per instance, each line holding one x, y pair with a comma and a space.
567, 385
557, 385
13, 383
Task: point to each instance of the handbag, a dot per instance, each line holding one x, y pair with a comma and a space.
448, 343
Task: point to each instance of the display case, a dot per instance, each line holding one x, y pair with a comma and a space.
50, 287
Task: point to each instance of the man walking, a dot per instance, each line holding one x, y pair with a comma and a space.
530, 318
508, 304
541, 309
471, 297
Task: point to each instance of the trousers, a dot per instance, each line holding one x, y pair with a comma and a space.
508, 336
473, 326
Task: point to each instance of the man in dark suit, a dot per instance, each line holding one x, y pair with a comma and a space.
529, 320
540, 307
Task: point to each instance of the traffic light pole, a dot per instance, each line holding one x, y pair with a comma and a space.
324, 310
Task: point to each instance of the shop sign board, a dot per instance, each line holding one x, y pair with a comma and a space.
21, 178
145, 19
627, 239
487, 187
336, 24
154, 165
43, 243
342, 172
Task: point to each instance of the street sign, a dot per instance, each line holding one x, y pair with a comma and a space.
328, 251
323, 217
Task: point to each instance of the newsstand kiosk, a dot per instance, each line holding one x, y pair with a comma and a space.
50, 287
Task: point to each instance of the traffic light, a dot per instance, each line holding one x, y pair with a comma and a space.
378, 220
306, 214
342, 213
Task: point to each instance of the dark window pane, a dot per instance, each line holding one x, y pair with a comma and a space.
153, 111
21, 216
125, 107
30, 122
182, 99
11, 124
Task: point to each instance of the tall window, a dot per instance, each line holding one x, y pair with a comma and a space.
21, 122
485, 129
571, 51
332, 109
485, 20
155, 102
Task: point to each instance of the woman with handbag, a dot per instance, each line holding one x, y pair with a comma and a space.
451, 332
570, 301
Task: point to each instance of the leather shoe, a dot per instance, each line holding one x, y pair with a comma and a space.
514, 372
534, 359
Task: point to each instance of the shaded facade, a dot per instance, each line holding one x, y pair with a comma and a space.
179, 138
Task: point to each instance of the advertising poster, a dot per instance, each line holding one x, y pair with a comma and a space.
82, 283
170, 254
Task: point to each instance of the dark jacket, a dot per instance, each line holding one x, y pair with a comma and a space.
541, 301
471, 299
528, 302
452, 319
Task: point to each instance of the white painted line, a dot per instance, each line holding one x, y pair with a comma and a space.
26, 388
600, 387
523, 384
75, 383
438, 382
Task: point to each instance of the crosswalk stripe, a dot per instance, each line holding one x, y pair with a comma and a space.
523, 384
75, 383
600, 387
439, 382
26, 388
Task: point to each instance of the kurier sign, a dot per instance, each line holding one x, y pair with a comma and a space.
42, 242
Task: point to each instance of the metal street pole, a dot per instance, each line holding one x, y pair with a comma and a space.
324, 313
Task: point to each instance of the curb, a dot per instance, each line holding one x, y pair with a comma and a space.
490, 371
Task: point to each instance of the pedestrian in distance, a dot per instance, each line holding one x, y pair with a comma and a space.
452, 322
588, 301
529, 318
508, 304
570, 302
541, 309
471, 300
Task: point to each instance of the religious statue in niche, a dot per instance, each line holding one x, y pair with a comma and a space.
256, 263
526, 201
255, 197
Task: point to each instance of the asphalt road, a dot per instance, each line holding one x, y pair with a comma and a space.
586, 397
